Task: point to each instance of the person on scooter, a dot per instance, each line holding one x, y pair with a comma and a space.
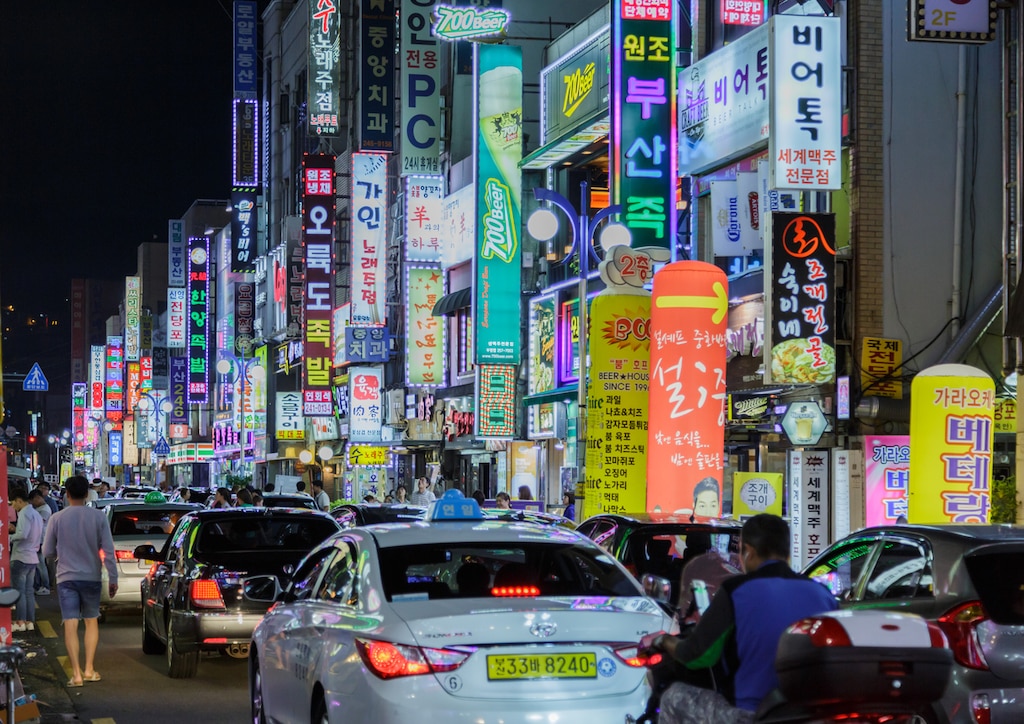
741, 629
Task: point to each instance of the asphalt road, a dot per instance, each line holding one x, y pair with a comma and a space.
135, 687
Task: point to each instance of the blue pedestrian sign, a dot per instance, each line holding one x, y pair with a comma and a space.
35, 380
162, 449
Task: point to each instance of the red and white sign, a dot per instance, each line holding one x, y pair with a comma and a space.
318, 217
369, 237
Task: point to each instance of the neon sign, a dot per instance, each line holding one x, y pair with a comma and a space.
468, 23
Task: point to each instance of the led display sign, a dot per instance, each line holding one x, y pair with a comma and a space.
318, 218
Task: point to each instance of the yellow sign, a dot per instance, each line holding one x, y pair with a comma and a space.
754, 493
367, 455
616, 464
880, 360
578, 85
1006, 415
951, 434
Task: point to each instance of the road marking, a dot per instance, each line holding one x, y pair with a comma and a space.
46, 629
65, 663
104, 720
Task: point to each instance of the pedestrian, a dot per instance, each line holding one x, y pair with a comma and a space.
525, 493
400, 495
323, 500
44, 487
478, 496
184, 495
243, 498
26, 537
257, 498
300, 487
222, 498
502, 501
42, 577
422, 496
569, 501
80, 538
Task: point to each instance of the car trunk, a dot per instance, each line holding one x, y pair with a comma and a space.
229, 570
997, 572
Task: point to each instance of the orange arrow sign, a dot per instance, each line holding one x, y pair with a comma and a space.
719, 302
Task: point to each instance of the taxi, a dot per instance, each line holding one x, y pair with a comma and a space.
457, 617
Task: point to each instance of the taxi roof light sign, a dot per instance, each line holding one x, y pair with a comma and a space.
453, 505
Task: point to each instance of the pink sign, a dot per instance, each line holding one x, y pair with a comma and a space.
886, 471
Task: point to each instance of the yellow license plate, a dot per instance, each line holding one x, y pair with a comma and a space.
542, 666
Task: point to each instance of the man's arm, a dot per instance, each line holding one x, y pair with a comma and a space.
704, 645
50, 540
109, 557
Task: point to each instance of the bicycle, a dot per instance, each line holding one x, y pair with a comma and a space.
11, 656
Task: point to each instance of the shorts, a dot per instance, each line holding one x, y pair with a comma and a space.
79, 599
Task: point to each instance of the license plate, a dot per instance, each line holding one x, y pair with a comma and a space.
542, 666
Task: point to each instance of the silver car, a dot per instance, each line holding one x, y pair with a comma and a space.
453, 620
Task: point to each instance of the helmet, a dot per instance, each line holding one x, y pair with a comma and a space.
155, 496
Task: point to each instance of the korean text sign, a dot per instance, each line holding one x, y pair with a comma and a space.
377, 86
803, 307
542, 345
951, 436
424, 218
886, 472
322, 85
176, 253
643, 146
497, 309
880, 363
318, 217
616, 462
115, 373
243, 230
245, 60
421, 92
754, 492
806, 108
424, 344
365, 404
198, 323
132, 310
810, 508
369, 236
686, 422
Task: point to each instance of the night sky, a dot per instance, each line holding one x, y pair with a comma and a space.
115, 117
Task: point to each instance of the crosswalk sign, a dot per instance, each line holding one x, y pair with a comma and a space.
35, 380
162, 449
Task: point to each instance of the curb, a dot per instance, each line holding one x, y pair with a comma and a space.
43, 677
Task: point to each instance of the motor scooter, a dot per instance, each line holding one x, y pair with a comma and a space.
853, 666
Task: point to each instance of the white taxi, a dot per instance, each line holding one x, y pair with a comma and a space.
457, 618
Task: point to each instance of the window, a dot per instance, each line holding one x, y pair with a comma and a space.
305, 579
601, 532
902, 570
841, 569
464, 343
338, 584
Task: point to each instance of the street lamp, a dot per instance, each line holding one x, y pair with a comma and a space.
542, 226
228, 363
160, 409
58, 442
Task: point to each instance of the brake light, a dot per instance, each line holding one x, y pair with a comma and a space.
124, 555
205, 593
824, 632
960, 624
981, 708
630, 656
515, 591
389, 661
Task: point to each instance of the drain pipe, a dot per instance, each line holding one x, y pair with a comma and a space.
958, 187
1006, 244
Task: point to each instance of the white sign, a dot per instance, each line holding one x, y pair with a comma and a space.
289, 416
952, 21
365, 404
734, 216
460, 226
809, 509
805, 66
369, 237
723, 104
132, 311
177, 317
420, 63
176, 253
424, 218
840, 494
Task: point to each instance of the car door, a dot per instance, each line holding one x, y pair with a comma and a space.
165, 573
841, 568
900, 575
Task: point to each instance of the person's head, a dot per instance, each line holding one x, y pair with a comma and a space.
369, 498
223, 496
400, 493
18, 495
317, 486
36, 498
706, 498
765, 537
478, 497
389, 498
77, 487
524, 492
421, 485
300, 486
568, 499
184, 494
43, 486
503, 501
104, 489
243, 497
269, 487
257, 498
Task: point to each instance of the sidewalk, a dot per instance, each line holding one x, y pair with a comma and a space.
43, 676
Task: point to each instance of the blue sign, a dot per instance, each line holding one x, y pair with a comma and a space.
162, 449
364, 345
35, 380
115, 448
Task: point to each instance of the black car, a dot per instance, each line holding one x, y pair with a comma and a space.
192, 600
289, 500
656, 543
350, 515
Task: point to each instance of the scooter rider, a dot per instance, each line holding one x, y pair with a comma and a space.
741, 629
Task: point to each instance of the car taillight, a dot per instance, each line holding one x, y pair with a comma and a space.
124, 555
630, 655
824, 632
981, 708
515, 591
205, 593
960, 624
389, 661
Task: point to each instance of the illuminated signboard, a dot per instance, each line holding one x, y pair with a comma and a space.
78, 343
289, 416
424, 218
643, 147
245, 59
424, 343
198, 323
377, 86
177, 418
367, 345
810, 507
469, 23
743, 12
245, 144
952, 21
97, 376
496, 401
318, 217
542, 345
369, 237
114, 378
132, 308
459, 237
322, 80
245, 316
134, 382
368, 455
420, 63
243, 230
497, 310
886, 472
365, 404
176, 274
575, 89
881, 361
177, 317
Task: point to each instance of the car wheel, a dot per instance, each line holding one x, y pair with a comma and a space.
179, 665
256, 692
320, 712
150, 643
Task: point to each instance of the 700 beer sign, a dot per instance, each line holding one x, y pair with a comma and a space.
467, 23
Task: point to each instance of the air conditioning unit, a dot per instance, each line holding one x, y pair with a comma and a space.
396, 407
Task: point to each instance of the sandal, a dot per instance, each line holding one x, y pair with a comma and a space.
94, 676
72, 684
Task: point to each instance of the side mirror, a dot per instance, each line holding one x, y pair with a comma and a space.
146, 552
660, 589
261, 588
9, 597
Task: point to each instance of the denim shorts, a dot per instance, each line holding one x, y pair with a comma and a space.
79, 599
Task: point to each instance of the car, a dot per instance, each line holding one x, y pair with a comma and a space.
289, 500
196, 495
134, 523
133, 491
192, 597
655, 543
356, 514
969, 579
453, 618
533, 516
104, 502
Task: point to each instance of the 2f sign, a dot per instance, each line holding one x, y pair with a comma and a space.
956, 16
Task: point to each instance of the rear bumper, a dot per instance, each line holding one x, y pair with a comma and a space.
1005, 698
212, 630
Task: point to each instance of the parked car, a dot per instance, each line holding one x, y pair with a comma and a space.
969, 579
134, 522
133, 491
193, 597
289, 500
350, 515
454, 618
196, 495
529, 516
656, 543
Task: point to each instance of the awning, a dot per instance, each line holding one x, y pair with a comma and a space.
561, 394
451, 303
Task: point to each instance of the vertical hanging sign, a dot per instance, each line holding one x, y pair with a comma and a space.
176, 268
643, 145
377, 82
810, 509
497, 310
369, 237
424, 214
114, 387
243, 230
198, 327
322, 84
132, 308
424, 344
318, 216
421, 92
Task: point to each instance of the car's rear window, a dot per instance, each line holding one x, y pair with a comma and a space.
463, 570
143, 521
999, 580
248, 534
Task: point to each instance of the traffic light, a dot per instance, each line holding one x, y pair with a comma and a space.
31, 439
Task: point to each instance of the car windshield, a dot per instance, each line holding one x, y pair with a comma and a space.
249, 533
144, 521
464, 570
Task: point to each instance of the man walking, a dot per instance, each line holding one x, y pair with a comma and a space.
26, 536
76, 535
323, 500
423, 496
